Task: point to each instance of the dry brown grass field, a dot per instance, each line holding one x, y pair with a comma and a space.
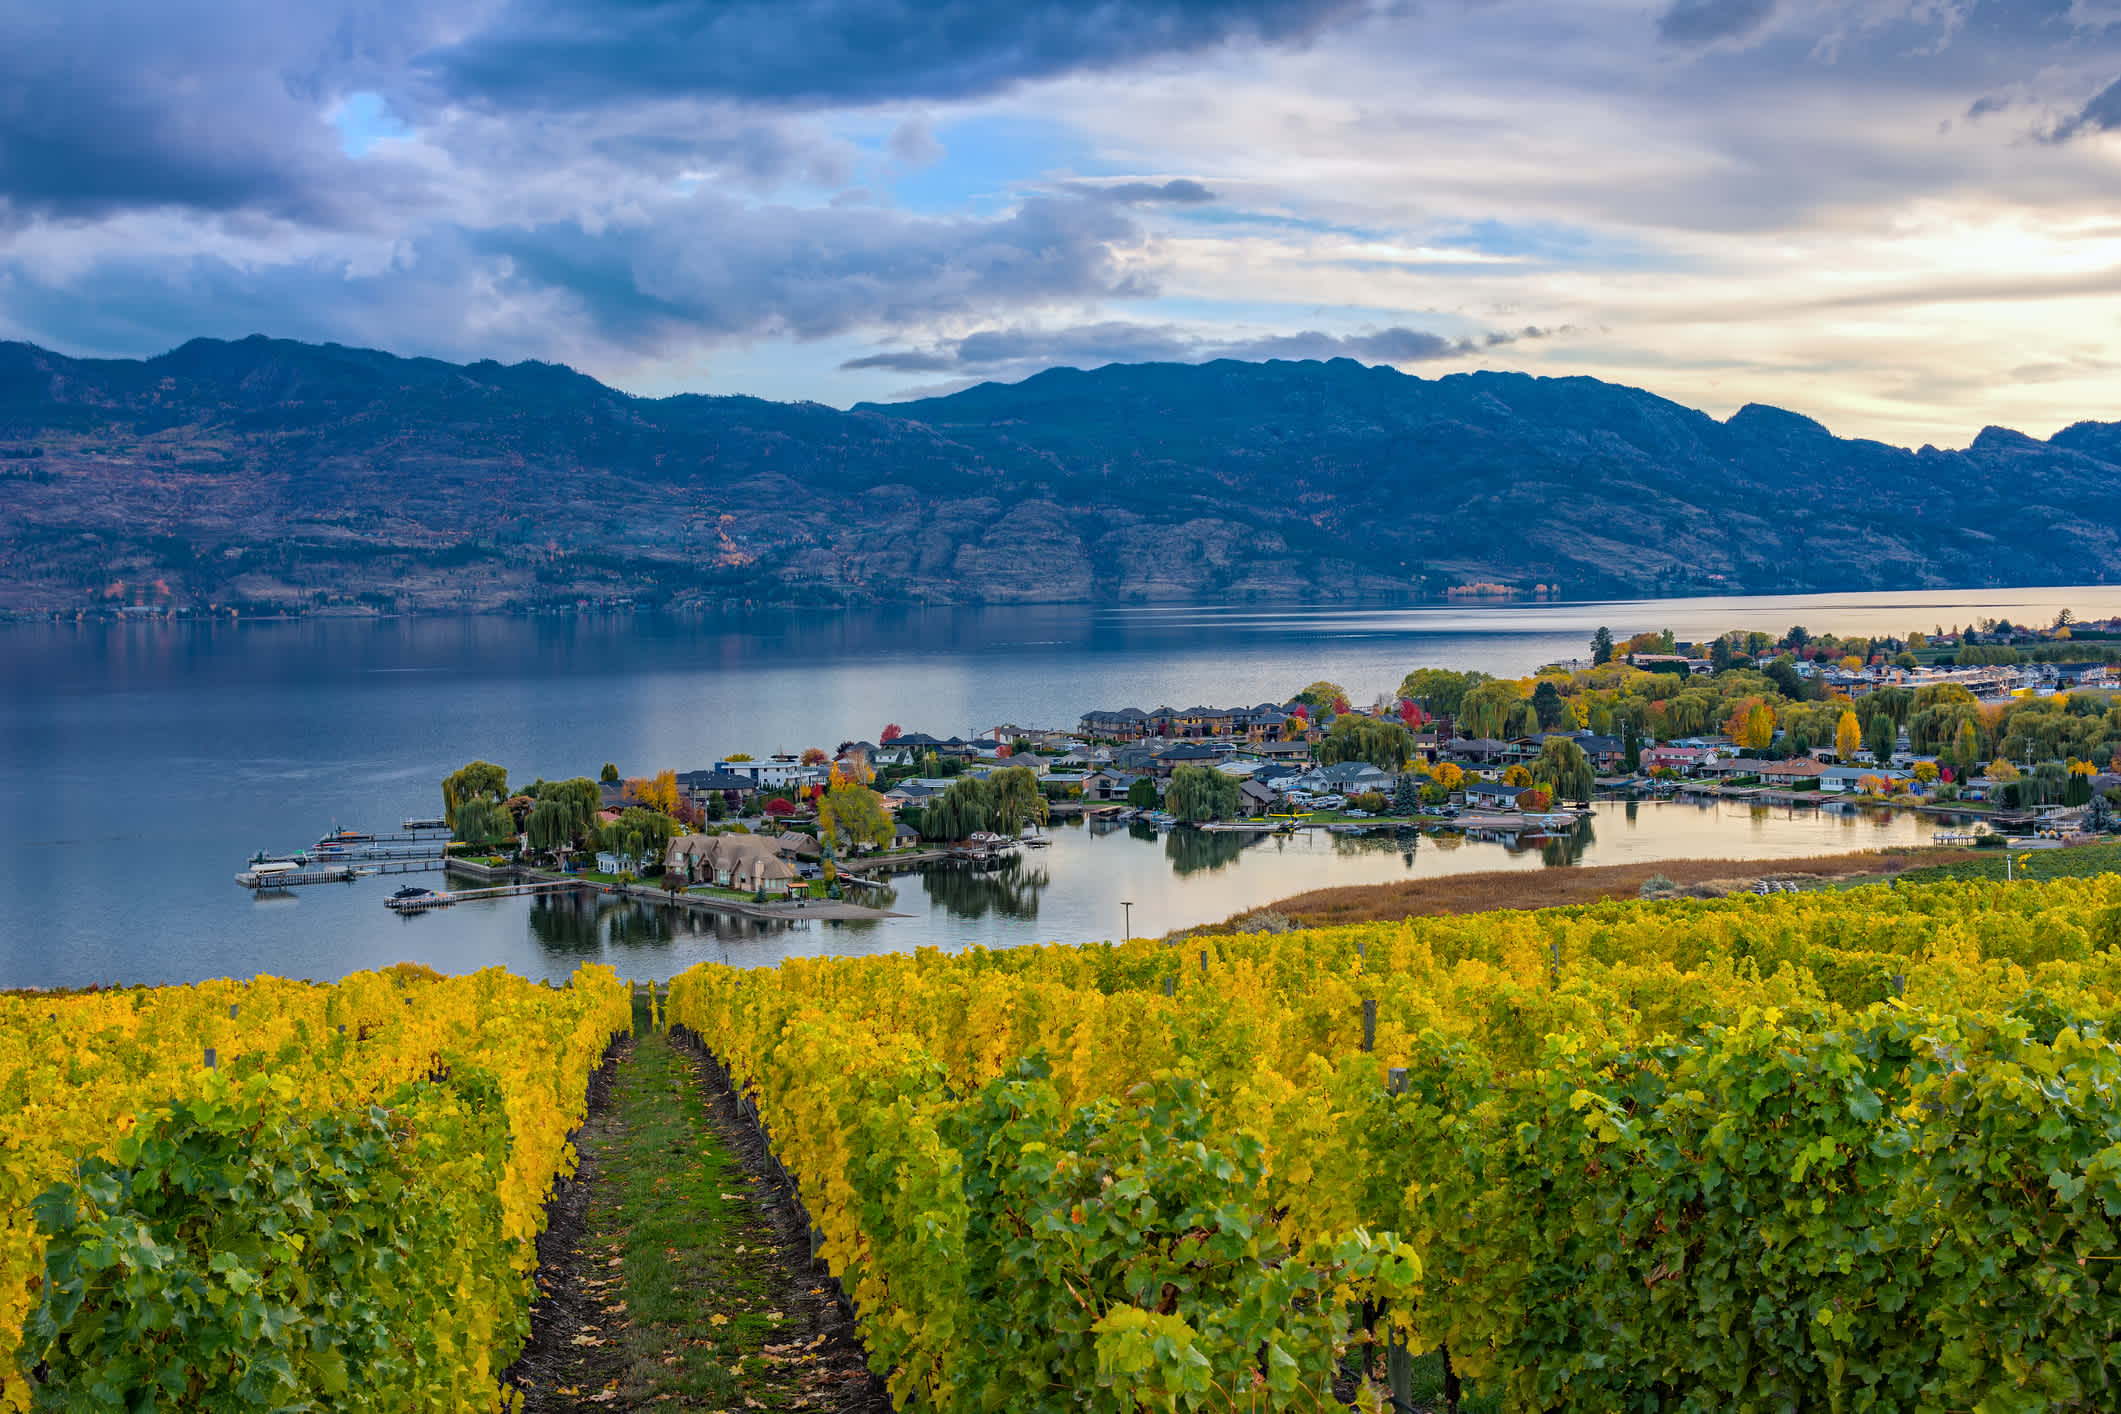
1551, 888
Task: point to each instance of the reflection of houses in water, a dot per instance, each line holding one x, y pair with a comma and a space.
580, 925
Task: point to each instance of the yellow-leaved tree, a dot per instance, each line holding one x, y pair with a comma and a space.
1848, 735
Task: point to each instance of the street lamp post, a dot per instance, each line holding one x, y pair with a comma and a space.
1128, 904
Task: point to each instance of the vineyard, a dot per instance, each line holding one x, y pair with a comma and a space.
1832, 1151
267, 1194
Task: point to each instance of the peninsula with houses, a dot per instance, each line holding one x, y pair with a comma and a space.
1999, 730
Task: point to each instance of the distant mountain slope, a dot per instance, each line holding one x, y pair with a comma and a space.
265, 472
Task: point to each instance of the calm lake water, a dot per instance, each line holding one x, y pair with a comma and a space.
141, 763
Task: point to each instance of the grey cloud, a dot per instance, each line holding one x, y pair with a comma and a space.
913, 143
1698, 22
1092, 345
1983, 106
107, 107
705, 269
907, 362
1180, 191
567, 53
2101, 114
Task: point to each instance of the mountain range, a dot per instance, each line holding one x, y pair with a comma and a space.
267, 474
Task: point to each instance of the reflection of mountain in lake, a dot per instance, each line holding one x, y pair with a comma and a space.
1009, 888
1191, 851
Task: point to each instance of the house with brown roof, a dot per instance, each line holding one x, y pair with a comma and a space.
1793, 774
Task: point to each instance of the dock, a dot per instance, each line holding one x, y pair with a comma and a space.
333, 873
442, 898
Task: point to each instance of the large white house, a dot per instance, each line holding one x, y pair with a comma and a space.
779, 771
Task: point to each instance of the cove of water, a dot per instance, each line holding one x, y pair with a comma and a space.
141, 763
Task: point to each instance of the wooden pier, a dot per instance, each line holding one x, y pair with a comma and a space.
333, 873
442, 898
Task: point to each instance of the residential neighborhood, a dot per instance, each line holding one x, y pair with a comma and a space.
2009, 728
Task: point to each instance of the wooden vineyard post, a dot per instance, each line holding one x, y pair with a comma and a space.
1369, 1024
1399, 1360
210, 1058
1203, 962
1170, 986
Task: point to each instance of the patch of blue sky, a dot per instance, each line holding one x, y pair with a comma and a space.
784, 370
1549, 244
363, 120
1222, 212
988, 160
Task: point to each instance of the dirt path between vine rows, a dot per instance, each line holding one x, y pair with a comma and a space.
674, 1274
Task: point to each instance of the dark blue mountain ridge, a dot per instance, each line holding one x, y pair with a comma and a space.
271, 472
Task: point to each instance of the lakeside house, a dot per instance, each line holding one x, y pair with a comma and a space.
1344, 778
1493, 795
1791, 775
1258, 797
1127, 724
1109, 785
1670, 662
1481, 750
1839, 780
699, 786
751, 862
1673, 757
1188, 754
775, 772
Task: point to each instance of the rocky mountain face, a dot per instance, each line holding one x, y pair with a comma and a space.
265, 473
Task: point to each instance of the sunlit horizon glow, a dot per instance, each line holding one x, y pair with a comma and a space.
1893, 216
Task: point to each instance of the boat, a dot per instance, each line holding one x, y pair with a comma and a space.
430, 823
338, 839
265, 869
411, 891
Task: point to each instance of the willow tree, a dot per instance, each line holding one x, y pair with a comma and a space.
1562, 768
1384, 744
849, 813
483, 822
550, 826
1198, 794
477, 781
959, 811
1485, 710
1015, 800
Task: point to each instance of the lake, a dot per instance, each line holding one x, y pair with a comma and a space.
141, 763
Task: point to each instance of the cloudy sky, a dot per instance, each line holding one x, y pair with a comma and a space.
1898, 216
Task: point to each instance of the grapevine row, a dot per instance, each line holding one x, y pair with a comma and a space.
1849, 1151
241, 1194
